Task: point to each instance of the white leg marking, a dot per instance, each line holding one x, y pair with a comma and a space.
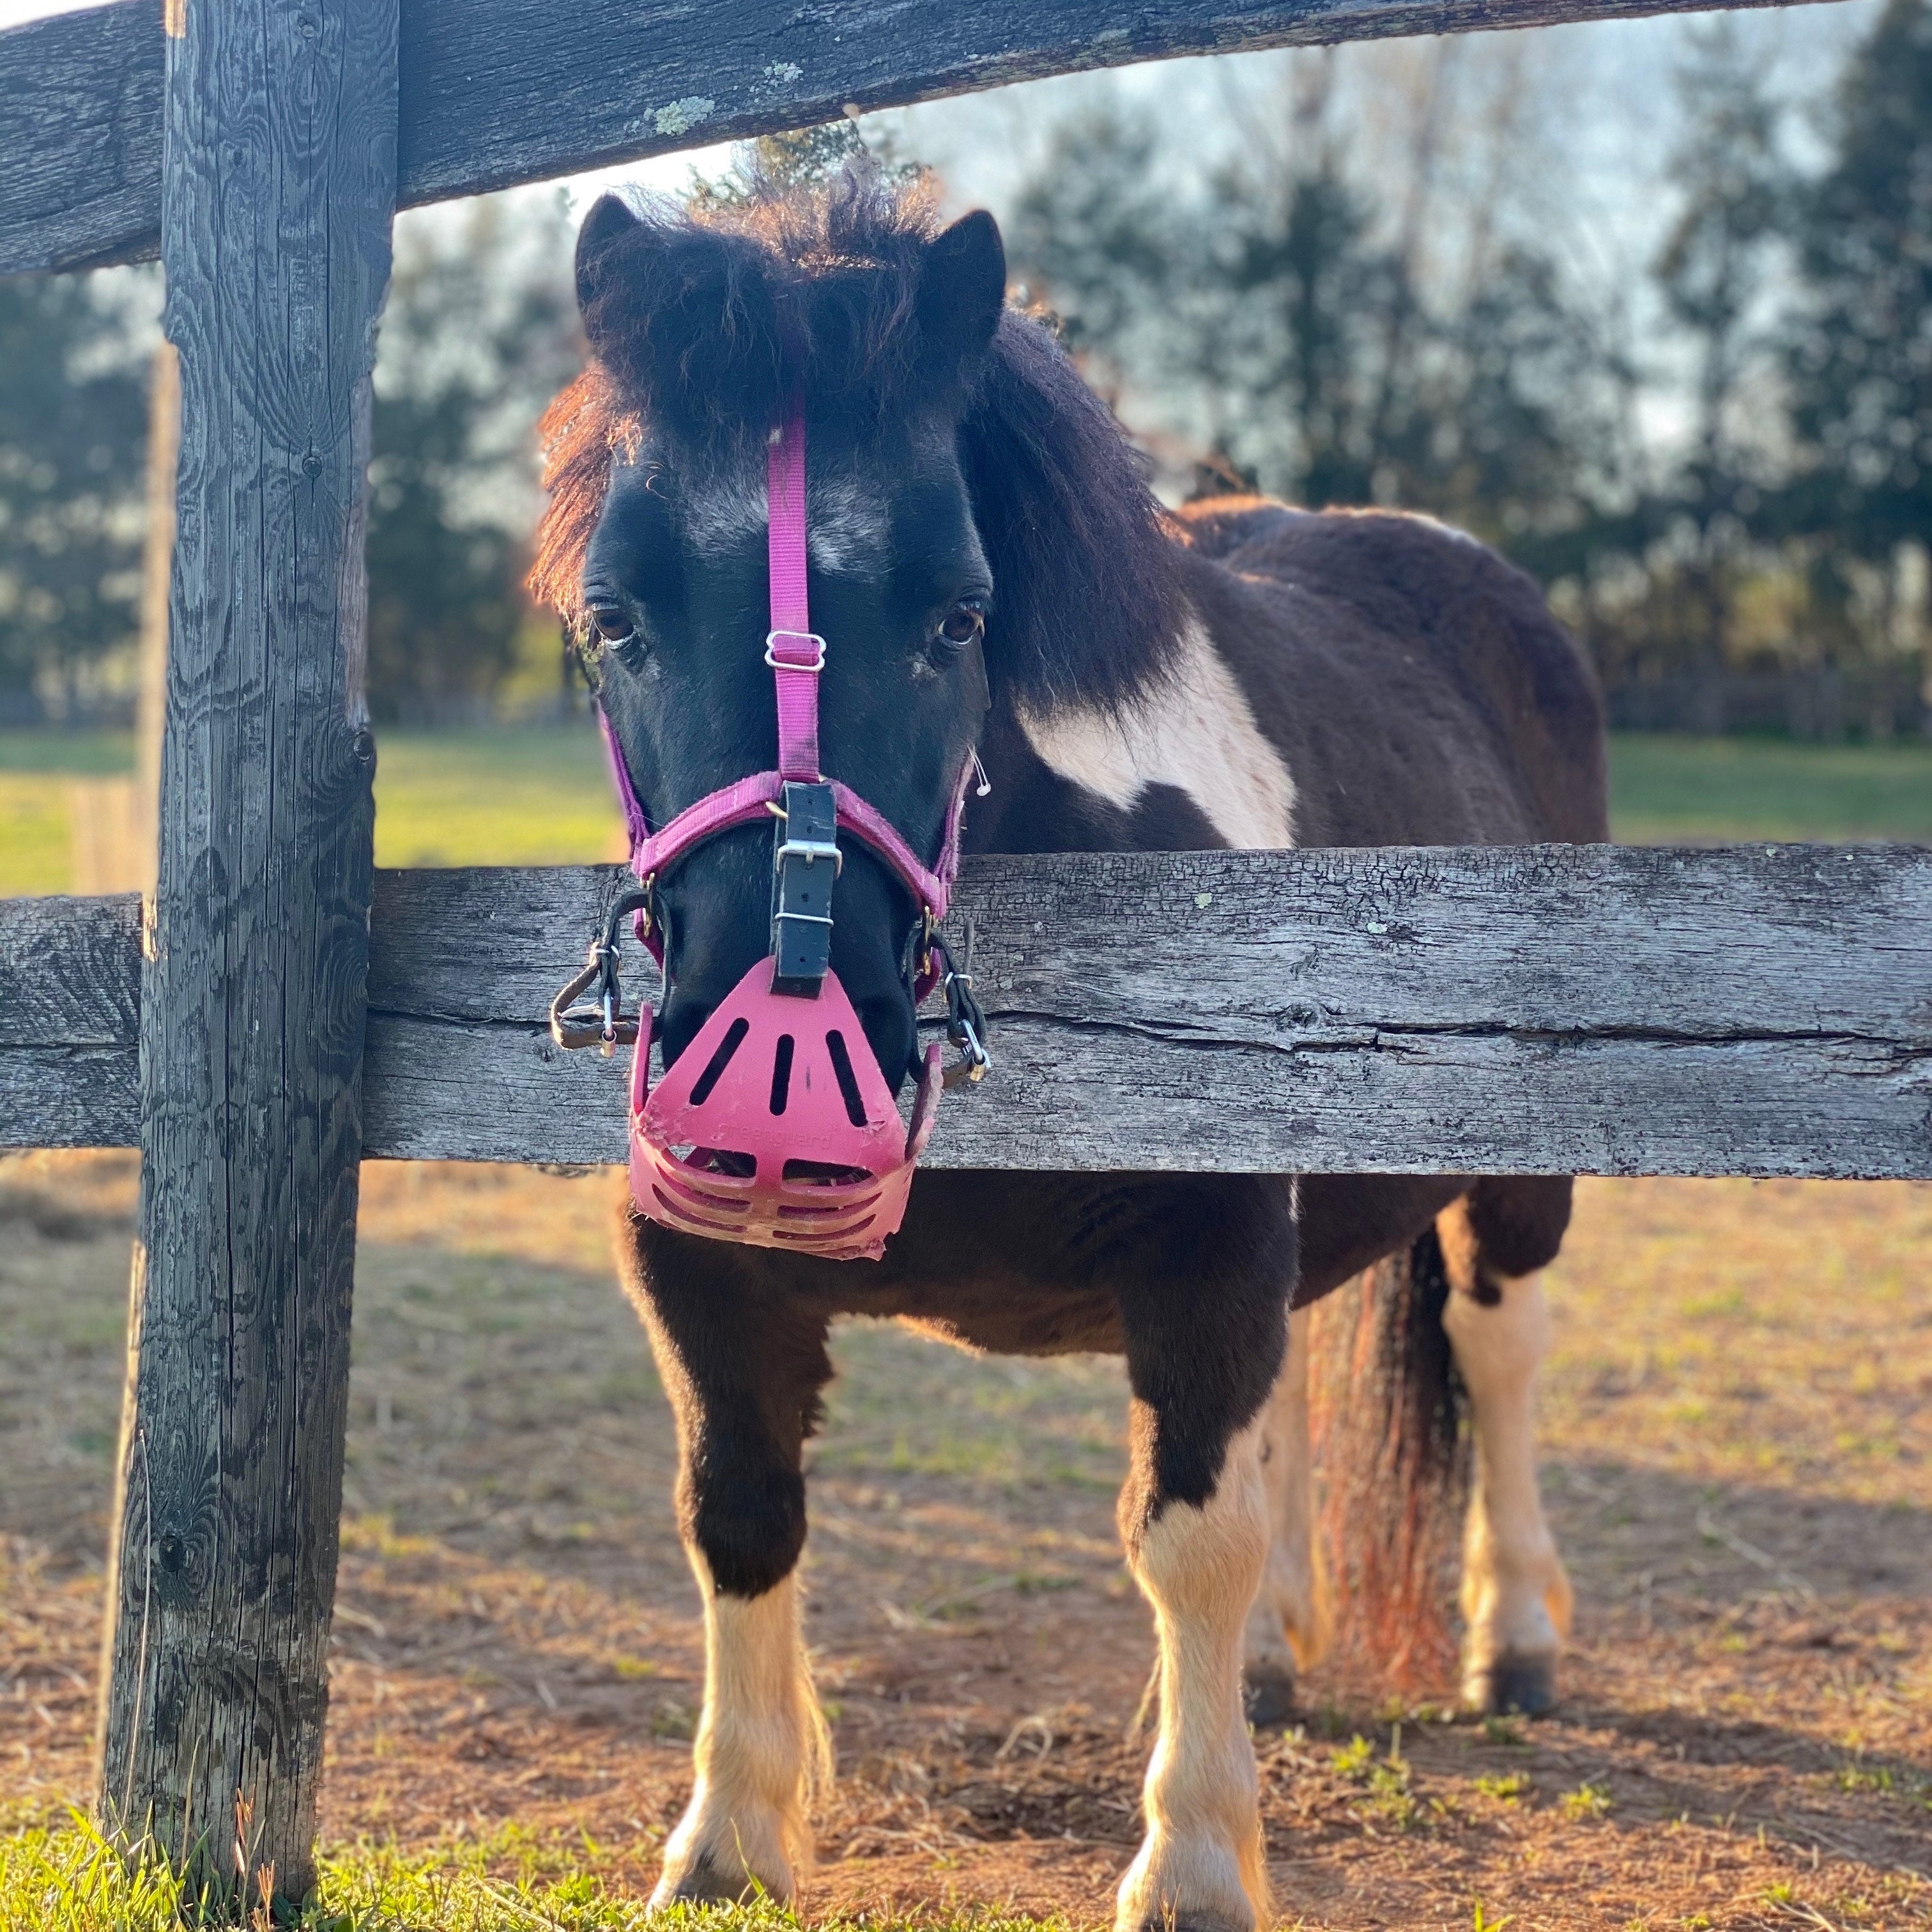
1515, 1598
1197, 732
761, 1744
1200, 1868
1289, 1627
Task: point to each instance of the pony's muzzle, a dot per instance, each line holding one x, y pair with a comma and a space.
775, 1126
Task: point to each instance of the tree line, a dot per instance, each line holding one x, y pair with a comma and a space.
1719, 468
1727, 470
479, 332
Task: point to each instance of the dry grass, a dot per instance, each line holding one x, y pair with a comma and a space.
1738, 1431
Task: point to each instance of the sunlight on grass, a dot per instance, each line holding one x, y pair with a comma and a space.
528, 796
1758, 1332
70, 1880
36, 844
540, 795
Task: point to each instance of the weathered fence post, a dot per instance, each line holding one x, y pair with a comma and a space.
279, 182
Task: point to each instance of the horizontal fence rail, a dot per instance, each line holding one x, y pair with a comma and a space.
494, 92
1758, 1010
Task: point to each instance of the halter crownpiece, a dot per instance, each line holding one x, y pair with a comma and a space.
775, 1127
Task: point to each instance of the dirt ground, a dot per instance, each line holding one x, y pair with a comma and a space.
1738, 1425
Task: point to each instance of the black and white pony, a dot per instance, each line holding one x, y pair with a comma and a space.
991, 570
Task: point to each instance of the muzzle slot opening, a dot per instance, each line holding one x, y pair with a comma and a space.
848, 1080
714, 1069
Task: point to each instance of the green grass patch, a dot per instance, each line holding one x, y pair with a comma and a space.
1672, 790
528, 796
540, 795
36, 838
73, 755
536, 795
68, 1880
37, 769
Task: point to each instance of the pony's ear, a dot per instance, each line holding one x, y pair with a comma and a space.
962, 286
604, 227
685, 318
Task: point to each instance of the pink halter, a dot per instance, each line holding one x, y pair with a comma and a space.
776, 1127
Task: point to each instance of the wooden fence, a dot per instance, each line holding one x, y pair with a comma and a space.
1601, 1010
280, 1010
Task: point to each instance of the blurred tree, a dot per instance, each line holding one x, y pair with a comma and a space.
802, 157
1858, 348
1285, 316
1249, 311
73, 417
1713, 273
1309, 394
480, 332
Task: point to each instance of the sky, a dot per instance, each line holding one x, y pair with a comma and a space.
1600, 92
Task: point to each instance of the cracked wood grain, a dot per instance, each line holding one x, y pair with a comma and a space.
495, 92
279, 160
1604, 1009
70, 1022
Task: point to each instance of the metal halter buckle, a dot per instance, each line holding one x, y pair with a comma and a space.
602, 1024
965, 1021
777, 663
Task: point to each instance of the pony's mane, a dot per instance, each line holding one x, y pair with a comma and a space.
822, 284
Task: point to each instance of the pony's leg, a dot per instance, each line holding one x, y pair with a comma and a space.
1288, 1628
1202, 1352
1515, 1598
743, 1370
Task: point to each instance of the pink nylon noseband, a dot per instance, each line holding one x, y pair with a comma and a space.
776, 1127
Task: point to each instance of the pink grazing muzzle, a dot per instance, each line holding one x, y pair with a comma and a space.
775, 1127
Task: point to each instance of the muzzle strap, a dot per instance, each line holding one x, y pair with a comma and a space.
805, 860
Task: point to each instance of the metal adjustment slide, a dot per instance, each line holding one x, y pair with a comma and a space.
805, 860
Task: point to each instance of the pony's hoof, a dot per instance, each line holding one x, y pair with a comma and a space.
1208, 1921
1267, 1695
703, 1881
1521, 1683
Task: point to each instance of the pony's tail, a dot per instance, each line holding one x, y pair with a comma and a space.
1387, 1417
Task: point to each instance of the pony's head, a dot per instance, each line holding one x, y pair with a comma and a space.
975, 523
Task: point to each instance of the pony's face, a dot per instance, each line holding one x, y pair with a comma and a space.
705, 334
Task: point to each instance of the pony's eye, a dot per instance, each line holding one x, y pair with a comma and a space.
965, 622
610, 621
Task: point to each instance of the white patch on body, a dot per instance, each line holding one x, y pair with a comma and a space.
1195, 731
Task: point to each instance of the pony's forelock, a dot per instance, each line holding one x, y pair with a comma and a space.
1087, 601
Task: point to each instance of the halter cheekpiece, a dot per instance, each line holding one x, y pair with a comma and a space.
775, 1127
